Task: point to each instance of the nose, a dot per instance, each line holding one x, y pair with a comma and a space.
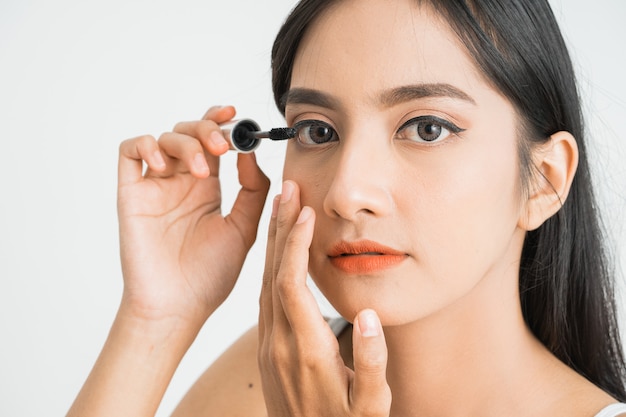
362, 180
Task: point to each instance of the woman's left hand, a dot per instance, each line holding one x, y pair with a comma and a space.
302, 371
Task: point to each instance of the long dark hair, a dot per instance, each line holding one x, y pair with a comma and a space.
566, 287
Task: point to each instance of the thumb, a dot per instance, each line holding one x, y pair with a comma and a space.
250, 200
370, 392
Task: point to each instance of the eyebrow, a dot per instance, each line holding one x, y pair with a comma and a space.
309, 96
406, 93
387, 98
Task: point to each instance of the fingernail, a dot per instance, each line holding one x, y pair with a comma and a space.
275, 206
305, 213
199, 161
217, 139
287, 191
369, 324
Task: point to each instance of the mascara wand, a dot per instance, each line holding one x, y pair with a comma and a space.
279, 133
245, 135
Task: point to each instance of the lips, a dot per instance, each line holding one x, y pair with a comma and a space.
364, 257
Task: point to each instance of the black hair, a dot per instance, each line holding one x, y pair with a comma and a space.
566, 286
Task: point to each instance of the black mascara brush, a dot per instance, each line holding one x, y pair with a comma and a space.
279, 133
245, 135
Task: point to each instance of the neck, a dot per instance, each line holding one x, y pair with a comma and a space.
475, 353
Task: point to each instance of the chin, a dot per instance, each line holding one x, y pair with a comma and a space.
348, 302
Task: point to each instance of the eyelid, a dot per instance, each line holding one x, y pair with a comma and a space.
308, 122
438, 120
298, 114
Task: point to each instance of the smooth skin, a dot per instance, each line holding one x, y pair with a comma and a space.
439, 334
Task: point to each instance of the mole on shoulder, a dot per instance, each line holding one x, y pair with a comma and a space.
250, 385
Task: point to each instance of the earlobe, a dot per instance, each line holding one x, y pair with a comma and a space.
555, 166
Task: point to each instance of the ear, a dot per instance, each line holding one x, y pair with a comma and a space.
556, 162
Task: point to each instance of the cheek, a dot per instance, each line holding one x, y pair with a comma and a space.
309, 174
464, 211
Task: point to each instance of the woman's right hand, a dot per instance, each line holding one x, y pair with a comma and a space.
180, 255
180, 260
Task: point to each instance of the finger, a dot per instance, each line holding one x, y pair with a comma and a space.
208, 132
314, 340
132, 153
298, 303
370, 391
250, 200
310, 331
288, 211
265, 299
220, 114
187, 151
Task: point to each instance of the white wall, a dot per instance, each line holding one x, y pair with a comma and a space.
77, 78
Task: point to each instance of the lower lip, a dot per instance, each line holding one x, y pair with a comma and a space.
365, 264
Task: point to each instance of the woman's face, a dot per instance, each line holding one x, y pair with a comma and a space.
409, 158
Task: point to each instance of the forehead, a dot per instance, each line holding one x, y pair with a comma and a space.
376, 45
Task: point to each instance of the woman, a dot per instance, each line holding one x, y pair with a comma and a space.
437, 191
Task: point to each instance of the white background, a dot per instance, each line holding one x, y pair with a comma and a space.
78, 77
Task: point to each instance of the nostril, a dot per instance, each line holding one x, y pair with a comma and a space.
355, 190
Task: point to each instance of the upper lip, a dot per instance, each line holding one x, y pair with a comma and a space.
362, 247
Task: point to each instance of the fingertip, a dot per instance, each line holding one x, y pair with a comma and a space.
217, 143
211, 110
305, 214
220, 114
287, 191
370, 390
228, 111
369, 323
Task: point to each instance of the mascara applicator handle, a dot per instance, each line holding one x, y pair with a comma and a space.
240, 135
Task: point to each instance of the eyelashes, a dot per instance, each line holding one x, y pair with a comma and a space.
422, 129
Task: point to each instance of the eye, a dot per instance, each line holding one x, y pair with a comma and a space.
427, 129
314, 132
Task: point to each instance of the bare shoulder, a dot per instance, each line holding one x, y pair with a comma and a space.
580, 397
590, 398
231, 386
586, 402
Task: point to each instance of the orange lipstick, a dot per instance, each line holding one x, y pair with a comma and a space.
364, 257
